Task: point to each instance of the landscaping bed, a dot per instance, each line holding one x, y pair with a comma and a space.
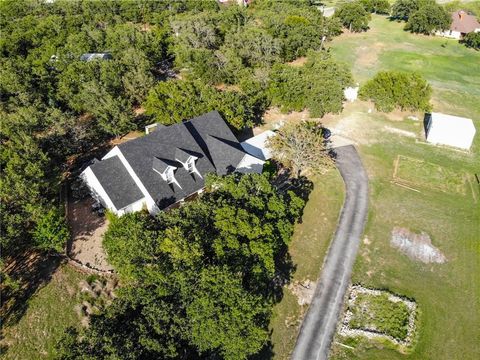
378, 314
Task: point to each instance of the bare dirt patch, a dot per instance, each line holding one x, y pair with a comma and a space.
368, 55
273, 118
87, 230
298, 62
303, 291
417, 247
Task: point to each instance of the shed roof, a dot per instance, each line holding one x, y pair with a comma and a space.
449, 122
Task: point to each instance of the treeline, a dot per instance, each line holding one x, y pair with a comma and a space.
55, 105
199, 282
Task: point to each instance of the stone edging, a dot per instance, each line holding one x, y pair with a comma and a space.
345, 329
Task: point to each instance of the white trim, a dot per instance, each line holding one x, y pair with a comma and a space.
97, 190
151, 206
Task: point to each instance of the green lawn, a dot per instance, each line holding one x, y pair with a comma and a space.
308, 248
49, 312
448, 295
451, 68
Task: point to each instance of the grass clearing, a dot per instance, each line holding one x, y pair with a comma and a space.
447, 295
419, 173
308, 247
50, 311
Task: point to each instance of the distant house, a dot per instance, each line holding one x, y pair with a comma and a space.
462, 24
94, 56
167, 165
449, 130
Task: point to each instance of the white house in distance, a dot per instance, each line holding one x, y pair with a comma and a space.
449, 130
462, 24
167, 165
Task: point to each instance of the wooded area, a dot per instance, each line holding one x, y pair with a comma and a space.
175, 59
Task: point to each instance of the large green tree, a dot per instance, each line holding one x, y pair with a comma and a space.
353, 16
317, 86
430, 17
199, 280
395, 89
174, 101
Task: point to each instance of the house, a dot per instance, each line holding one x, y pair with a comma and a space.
462, 24
94, 56
449, 130
167, 165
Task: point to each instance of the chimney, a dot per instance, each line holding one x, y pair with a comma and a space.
460, 14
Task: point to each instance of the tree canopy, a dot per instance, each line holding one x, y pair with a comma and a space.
318, 85
472, 40
353, 16
57, 106
395, 89
301, 147
175, 101
422, 16
199, 280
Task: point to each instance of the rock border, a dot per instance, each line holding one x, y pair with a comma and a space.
346, 330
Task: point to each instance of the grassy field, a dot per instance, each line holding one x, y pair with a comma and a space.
49, 312
451, 68
308, 248
448, 295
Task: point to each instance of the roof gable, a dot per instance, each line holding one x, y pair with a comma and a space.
117, 182
207, 138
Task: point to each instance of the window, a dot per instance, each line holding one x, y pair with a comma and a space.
191, 164
169, 176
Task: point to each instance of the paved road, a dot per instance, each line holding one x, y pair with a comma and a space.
319, 325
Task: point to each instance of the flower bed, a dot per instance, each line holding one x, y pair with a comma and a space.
379, 314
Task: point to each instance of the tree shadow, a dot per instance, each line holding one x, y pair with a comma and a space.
32, 270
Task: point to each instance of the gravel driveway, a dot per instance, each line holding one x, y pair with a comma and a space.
318, 327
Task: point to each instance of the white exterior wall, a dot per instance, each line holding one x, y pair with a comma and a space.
136, 206
451, 34
151, 206
97, 190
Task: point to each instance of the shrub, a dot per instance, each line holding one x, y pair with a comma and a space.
394, 89
472, 40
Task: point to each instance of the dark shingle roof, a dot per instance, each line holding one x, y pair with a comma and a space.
206, 137
117, 182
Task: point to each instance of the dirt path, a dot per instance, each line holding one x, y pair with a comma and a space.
319, 325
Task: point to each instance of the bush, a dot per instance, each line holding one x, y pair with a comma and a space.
472, 40
51, 232
376, 6
394, 89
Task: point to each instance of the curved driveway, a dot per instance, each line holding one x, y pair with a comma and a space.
319, 325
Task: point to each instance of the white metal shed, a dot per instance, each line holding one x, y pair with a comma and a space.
449, 130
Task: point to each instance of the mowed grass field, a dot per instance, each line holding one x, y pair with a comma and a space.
308, 247
452, 69
50, 311
448, 295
